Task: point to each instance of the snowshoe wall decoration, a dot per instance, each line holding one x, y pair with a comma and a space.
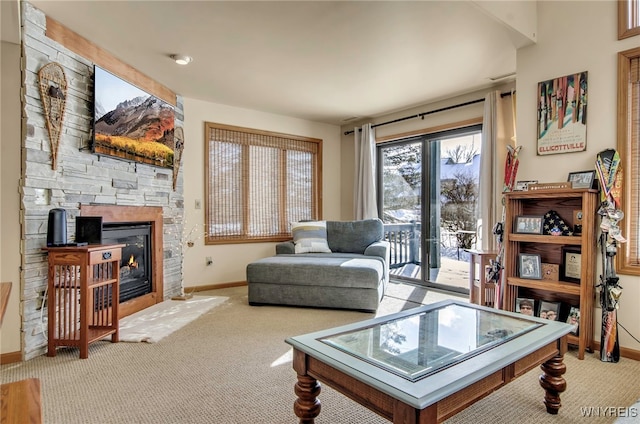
53, 92
178, 135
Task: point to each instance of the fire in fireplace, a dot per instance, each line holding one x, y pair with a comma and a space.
135, 265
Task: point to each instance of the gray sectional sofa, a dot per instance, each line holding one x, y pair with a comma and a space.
353, 276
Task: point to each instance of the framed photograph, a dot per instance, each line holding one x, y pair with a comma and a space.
549, 310
571, 264
530, 266
582, 179
524, 185
528, 224
574, 319
525, 306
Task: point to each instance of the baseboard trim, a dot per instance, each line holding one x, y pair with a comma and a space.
194, 289
625, 352
10, 358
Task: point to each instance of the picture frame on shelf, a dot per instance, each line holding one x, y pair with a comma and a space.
530, 266
524, 185
549, 310
574, 320
525, 306
582, 179
577, 222
550, 272
528, 224
571, 267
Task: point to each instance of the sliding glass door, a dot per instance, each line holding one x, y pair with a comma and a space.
400, 201
428, 196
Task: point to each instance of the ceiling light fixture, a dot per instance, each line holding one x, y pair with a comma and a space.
181, 59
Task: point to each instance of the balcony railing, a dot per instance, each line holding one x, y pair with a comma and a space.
405, 243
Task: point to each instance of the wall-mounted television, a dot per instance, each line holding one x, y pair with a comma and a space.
131, 124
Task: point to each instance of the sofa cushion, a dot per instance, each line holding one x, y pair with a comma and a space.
322, 270
353, 236
310, 237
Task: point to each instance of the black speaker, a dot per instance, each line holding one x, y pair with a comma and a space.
57, 228
89, 229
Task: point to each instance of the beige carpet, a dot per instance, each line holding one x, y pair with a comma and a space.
160, 320
231, 365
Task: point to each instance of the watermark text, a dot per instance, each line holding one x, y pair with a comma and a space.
609, 411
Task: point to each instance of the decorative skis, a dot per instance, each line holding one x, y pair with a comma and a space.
610, 176
495, 271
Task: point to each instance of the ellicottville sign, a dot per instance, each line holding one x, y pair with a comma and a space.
562, 114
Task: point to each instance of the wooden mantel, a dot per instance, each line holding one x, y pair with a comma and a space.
152, 214
87, 49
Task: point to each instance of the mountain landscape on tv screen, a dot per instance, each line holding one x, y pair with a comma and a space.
139, 128
147, 119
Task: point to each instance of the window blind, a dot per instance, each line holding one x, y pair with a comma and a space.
258, 182
628, 18
628, 255
633, 179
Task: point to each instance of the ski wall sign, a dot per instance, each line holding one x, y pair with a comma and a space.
562, 115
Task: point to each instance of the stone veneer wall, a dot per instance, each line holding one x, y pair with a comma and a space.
80, 178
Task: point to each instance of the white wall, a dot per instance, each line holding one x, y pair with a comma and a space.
575, 37
230, 260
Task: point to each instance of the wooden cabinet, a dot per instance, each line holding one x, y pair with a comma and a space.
579, 292
83, 295
481, 291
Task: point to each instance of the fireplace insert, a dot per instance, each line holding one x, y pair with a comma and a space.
135, 266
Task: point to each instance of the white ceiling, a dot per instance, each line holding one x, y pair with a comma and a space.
317, 60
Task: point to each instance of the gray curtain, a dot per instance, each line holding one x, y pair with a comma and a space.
365, 206
498, 130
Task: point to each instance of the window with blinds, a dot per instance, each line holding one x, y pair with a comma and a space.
629, 149
628, 18
257, 182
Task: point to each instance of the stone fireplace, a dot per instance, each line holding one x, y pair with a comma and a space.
119, 223
86, 184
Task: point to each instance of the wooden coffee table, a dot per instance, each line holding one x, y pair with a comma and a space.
426, 364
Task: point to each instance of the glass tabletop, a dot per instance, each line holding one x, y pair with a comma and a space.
424, 343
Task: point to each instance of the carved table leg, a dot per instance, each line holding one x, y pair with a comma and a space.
307, 406
553, 383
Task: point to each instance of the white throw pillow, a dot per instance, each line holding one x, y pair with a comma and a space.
310, 237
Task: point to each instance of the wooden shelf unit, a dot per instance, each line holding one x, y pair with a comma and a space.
582, 294
82, 295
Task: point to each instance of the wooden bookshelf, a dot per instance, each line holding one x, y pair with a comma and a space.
580, 294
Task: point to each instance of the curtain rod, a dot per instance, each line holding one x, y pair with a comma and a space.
423, 114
